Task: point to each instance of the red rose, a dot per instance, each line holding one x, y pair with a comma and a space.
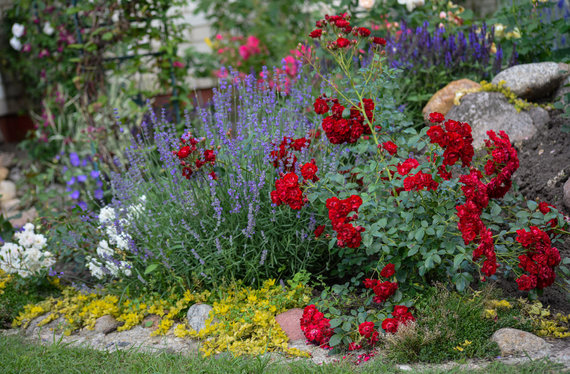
291, 180
390, 325
526, 283
405, 167
320, 106
316, 33
436, 117
363, 31
309, 171
319, 230
379, 41
438, 136
184, 152
342, 42
366, 329
354, 347
390, 147
214, 176
399, 311
209, 155
388, 271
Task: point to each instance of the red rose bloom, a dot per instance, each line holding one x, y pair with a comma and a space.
309, 171
209, 155
390, 325
526, 282
390, 147
388, 271
319, 230
405, 167
354, 347
363, 31
320, 106
436, 117
184, 152
316, 33
342, 42
366, 329
379, 41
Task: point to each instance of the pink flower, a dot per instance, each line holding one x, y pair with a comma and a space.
244, 52
178, 64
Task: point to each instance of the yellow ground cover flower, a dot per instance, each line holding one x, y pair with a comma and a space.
5, 278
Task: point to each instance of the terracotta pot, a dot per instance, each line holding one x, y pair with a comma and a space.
15, 127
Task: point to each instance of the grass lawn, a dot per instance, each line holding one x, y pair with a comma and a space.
19, 356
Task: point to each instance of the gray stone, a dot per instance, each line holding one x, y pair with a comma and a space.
566, 191
533, 81
485, 111
518, 342
197, 316
106, 324
4, 173
539, 116
7, 190
19, 219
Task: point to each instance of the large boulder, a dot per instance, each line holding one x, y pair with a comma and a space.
533, 81
442, 100
486, 111
197, 316
290, 323
518, 342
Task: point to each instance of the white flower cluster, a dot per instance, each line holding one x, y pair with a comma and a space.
411, 4
26, 258
17, 32
106, 263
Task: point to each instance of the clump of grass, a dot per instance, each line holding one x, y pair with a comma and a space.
453, 326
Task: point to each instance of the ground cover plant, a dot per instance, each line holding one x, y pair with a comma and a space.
337, 189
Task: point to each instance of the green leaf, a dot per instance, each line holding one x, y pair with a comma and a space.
419, 234
150, 268
346, 326
335, 322
335, 340
531, 205
107, 36
413, 251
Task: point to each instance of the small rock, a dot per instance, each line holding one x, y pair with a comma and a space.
539, 116
25, 217
533, 81
442, 100
566, 190
513, 342
106, 324
7, 190
10, 206
4, 173
485, 111
151, 321
290, 323
6, 159
197, 316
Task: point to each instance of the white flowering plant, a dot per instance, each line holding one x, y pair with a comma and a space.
26, 257
112, 251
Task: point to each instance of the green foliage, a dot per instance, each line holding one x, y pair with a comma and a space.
69, 55
277, 24
452, 326
20, 292
538, 28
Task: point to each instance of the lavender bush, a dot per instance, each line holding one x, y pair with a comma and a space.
209, 229
430, 60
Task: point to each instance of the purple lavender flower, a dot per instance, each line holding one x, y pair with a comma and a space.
82, 178
75, 194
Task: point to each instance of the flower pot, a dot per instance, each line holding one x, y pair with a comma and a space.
15, 127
